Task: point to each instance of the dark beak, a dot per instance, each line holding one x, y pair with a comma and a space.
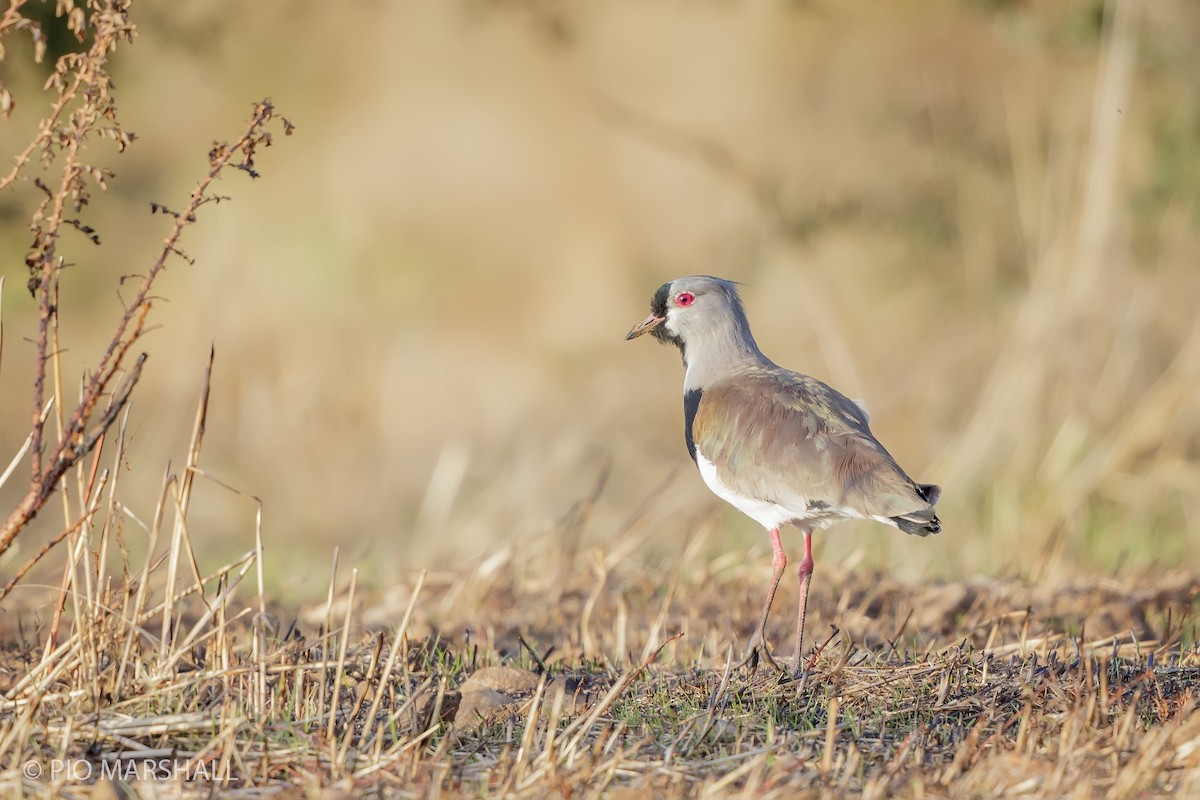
645, 326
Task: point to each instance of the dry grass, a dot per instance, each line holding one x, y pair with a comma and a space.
526, 675
980, 217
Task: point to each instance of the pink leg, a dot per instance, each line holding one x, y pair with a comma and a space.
805, 571
759, 640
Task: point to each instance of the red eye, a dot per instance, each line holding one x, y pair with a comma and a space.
684, 299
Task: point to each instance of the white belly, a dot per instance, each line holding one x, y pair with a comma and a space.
764, 512
772, 515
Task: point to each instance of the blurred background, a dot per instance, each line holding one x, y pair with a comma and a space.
982, 217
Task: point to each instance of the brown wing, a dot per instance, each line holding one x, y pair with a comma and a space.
790, 439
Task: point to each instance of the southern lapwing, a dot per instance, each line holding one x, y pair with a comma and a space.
782, 448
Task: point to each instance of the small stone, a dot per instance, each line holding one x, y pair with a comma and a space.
484, 706
509, 680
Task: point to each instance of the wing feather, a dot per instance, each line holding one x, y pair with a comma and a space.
786, 438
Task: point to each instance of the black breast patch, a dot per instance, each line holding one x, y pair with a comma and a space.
691, 403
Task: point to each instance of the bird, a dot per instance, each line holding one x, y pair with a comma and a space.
781, 447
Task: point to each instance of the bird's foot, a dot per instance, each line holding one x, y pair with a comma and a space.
757, 652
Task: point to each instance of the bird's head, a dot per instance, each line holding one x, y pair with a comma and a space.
687, 309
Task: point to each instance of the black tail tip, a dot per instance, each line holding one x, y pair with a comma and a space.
920, 527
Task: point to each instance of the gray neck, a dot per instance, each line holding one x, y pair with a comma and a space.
721, 345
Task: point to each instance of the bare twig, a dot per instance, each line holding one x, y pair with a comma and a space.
77, 440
